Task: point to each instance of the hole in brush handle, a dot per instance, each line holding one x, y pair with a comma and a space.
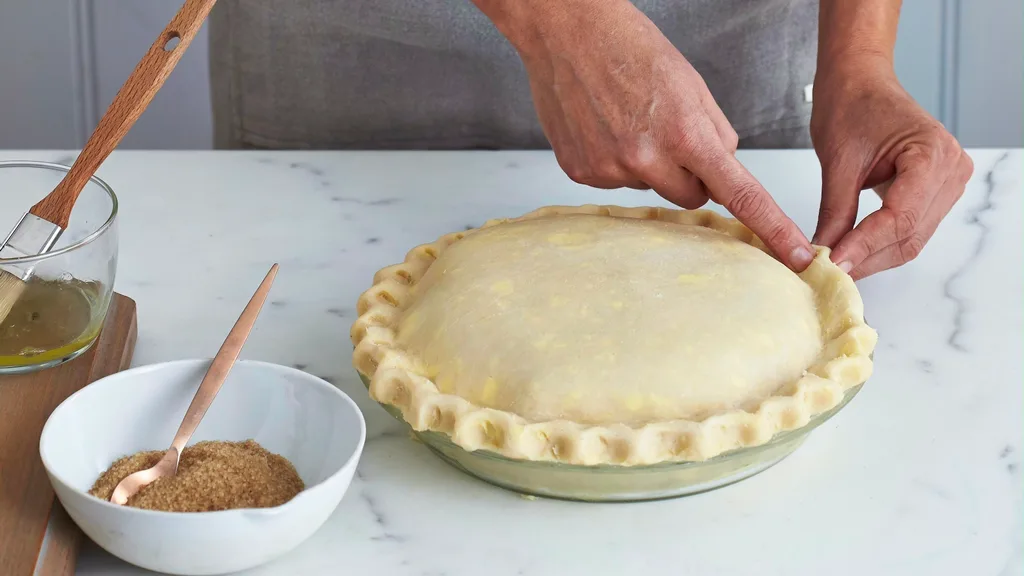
171, 41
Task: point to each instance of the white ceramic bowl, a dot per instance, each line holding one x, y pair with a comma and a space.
303, 418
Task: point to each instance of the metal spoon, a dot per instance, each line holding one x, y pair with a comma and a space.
215, 376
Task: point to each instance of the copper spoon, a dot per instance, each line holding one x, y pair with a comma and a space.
208, 388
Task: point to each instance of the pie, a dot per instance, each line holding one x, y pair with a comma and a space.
598, 335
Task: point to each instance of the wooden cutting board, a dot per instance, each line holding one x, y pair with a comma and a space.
36, 535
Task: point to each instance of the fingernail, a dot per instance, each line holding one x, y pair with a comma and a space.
801, 257
845, 266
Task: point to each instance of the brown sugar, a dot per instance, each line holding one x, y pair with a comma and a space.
212, 475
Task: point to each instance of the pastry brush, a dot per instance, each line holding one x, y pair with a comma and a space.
41, 227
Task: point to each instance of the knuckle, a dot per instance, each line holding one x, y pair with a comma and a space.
948, 145
693, 201
776, 236
637, 158
567, 162
905, 224
606, 169
827, 214
918, 157
880, 236
688, 139
682, 144
577, 173
748, 203
911, 247
687, 192
966, 167
935, 133
730, 139
947, 150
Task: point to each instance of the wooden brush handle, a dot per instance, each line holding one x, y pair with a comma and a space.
129, 103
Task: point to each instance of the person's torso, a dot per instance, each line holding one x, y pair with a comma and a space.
436, 74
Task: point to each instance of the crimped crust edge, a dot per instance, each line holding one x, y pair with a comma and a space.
845, 362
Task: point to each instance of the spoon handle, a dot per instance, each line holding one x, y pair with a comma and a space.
129, 103
222, 363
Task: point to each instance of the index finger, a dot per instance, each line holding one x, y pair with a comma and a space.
732, 186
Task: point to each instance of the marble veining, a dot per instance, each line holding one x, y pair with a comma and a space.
919, 475
378, 516
974, 218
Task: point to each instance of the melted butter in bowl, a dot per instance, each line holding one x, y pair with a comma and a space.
50, 320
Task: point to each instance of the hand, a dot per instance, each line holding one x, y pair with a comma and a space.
869, 133
622, 107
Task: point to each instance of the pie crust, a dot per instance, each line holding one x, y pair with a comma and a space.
741, 385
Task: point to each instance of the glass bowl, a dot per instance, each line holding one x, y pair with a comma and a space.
609, 483
65, 301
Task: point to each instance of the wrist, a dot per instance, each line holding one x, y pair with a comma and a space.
852, 69
856, 38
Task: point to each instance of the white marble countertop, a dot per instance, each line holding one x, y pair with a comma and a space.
920, 474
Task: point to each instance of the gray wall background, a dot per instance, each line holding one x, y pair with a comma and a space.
62, 61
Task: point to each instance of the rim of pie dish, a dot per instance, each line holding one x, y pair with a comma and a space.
844, 362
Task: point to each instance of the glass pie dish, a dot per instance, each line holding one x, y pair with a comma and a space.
609, 483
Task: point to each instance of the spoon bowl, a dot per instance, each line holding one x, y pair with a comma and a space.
132, 483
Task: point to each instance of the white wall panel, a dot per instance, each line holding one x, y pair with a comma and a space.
38, 61
990, 79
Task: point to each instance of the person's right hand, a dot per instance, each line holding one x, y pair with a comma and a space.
623, 108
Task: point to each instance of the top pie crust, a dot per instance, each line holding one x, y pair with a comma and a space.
606, 335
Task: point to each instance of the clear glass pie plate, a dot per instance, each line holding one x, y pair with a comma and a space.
608, 483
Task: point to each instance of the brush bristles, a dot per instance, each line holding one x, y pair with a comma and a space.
11, 288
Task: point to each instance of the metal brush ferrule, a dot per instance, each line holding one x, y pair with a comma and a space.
32, 236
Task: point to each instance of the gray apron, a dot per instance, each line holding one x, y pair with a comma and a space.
435, 74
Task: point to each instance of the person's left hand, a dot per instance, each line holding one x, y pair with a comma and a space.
869, 133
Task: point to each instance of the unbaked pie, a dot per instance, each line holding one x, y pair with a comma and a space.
606, 335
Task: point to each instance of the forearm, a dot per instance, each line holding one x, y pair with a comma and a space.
530, 23
854, 30
516, 19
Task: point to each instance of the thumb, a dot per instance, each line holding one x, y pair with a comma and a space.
840, 193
